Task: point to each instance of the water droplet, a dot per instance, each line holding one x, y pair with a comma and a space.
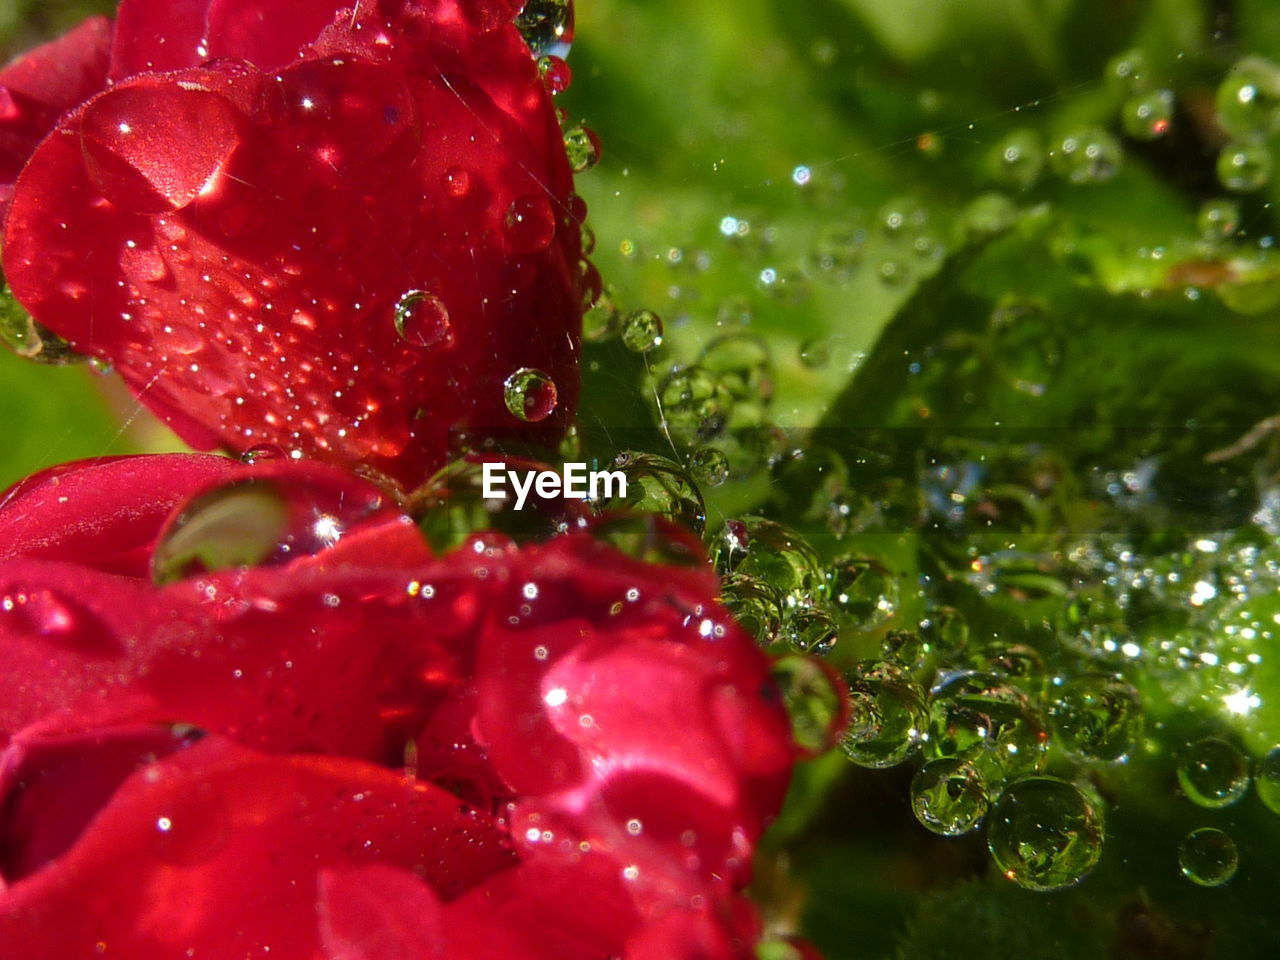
642, 331
773, 553
694, 405
742, 363
582, 147
530, 395
816, 353
1018, 160
47, 613
1090, 155
1248, 99
811, 630
1218, 220
814, 701
601, 321
1208, 857
261, 453
886, 716
949, 797
1148, 116
863, 592
709, 466
1128, 70
1097, 717
755, 605
422, 319
648, 538
904, 648
657, 485
261, 520
555, 74
1213, 773
1245, 167
989, 722
547, 27
1267, 780
838, 249
155, 147
1045, 834
529, 224
945, 630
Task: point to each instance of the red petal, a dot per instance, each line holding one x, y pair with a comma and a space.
219, 849
104, 514
157, 35
267, 33
38, 88
247, 269
378, 912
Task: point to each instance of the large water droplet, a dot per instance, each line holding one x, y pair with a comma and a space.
886, 716
709, 466
1045, 834
863, 591
642, 331
949, 797
989, 722
813, 699
422, 319
656, 485
1208, 857
153, 146
530, 395
1213, 773
547, 27
1097, 717
259, 521
773, 553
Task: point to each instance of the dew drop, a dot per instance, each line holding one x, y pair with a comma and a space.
657, 485
1208, 857
1244, 167
1218, 220
1097, 717
1148, 116
530, 395
886, 716
1213, 773
1091, 155
863, 592
555, 74
582, 147
812, 696
422, 319
1248, 99
949, 797
529, 224
709, 466
547, 27
1045, 834
642, 331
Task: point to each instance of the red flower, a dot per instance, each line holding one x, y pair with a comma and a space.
335, 230
354, 749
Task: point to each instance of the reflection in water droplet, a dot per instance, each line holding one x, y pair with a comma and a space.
1091, 155
555, 74
547, 27
886, 716
1097, 717
948, 796
773, 553
813, 700
1208, 857
1045, 834
1213, 773
582, 147
422, 319
812, 631
642, 331
530, 395
863, 591
709, 466
260, 521
657, 485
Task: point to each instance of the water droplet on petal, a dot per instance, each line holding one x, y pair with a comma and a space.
547, 27
153, 147
530, 394
529, 224
422, 319
555, 74
582, 147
